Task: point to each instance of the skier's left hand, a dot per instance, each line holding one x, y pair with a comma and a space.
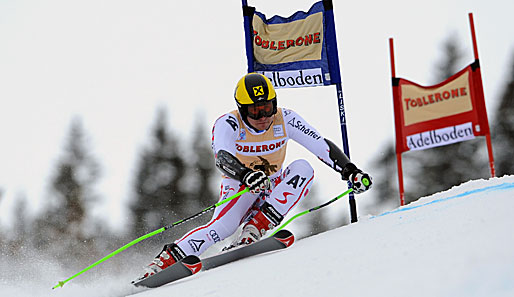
257, 181
361, 182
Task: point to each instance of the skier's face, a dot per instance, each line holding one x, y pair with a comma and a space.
260, 109
261, 124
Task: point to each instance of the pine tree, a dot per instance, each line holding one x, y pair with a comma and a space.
385, 179
63, 226
203, 168
451, 61
503, 129
20, 229
159, 198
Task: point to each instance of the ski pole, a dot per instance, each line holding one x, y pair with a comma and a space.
133, 242
312, 209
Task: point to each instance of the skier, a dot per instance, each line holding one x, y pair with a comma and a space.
249, 146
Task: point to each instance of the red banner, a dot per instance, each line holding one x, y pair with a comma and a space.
449, 112
446, 113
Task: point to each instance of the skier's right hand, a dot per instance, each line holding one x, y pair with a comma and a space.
256, 181
361, 182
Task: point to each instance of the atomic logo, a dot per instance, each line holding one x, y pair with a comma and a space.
196, 244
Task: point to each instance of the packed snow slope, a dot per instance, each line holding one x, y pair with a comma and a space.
455, 243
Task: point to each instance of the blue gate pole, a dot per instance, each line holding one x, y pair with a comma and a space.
346, 148
335, 77
247, 13
335, 74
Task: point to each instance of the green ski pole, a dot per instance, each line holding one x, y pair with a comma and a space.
133, 242
312, 209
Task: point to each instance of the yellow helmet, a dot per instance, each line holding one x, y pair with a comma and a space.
255, 89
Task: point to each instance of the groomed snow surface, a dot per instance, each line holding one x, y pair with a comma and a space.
455, 243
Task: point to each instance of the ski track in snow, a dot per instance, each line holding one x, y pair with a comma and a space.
453, 243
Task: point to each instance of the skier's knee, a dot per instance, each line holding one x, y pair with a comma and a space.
302, 166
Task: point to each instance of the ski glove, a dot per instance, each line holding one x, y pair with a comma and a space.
361, 182
256, 181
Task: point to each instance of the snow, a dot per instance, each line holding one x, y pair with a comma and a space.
454, 243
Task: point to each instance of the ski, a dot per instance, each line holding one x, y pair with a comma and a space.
186, 267
192, 264
281, 240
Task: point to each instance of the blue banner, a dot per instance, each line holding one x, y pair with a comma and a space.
297, 51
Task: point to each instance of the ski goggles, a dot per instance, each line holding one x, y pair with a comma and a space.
261, 109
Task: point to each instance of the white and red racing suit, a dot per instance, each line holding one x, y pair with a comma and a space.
263, 151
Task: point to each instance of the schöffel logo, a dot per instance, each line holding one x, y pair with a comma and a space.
295, 78
440, 137
300, 126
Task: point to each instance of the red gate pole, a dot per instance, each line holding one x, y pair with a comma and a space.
481, 92
395, 94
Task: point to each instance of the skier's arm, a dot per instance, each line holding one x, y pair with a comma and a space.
306, 135
338, 160
231, 166
361, 181
256, 181
224, 136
